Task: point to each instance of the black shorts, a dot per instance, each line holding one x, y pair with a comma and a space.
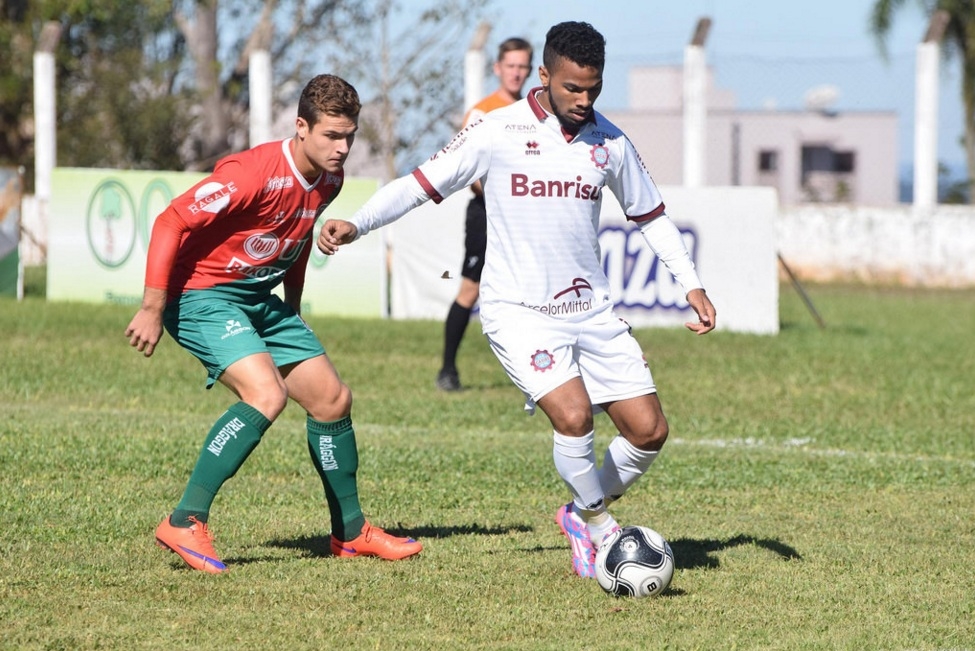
475, 239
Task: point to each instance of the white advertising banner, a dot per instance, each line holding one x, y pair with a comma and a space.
729, 231
100, 221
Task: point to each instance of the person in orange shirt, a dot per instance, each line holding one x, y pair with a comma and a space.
512, 67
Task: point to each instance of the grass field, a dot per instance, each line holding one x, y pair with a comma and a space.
818, 490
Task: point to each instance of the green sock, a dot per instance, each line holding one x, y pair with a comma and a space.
333, 451
230, 441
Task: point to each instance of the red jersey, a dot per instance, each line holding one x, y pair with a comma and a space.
246, 227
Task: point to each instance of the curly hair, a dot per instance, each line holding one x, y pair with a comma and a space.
578, 42
328, 95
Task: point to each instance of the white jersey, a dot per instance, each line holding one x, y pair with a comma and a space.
543, 190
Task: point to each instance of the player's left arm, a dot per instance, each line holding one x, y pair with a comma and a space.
638, 193
292, 296
294, 278
668, 245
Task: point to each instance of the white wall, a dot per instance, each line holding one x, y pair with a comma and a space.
900, 245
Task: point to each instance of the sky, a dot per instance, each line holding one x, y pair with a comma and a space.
767, 52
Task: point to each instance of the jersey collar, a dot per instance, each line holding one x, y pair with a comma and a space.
306, 185
541, 114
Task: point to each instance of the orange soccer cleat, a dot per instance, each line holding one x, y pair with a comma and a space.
194, 544
373, 541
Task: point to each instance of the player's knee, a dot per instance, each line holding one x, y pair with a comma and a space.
270, 400
332, 404
343, 400
577, 422
652, 436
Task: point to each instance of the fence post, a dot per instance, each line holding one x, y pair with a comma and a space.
926, 113
695, 106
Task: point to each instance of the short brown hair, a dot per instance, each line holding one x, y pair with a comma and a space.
328, 95
515, 44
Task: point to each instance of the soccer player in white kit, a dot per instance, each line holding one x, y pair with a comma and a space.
545, 163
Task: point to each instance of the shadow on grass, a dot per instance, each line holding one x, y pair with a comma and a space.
321, 545
691, 554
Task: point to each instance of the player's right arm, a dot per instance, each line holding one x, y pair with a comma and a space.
145, 329
456, 166
388, 204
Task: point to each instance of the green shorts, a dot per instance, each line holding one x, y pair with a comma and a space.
219, 329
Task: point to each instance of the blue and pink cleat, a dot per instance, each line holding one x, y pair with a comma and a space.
574, 528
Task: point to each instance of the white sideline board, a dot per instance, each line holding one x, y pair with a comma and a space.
730, 232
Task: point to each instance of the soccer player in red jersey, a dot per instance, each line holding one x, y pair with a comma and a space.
215, 254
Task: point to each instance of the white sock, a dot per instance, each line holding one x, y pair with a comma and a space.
601, 525
623, 464
575, 461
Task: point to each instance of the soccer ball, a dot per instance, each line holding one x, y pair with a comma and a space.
634, 562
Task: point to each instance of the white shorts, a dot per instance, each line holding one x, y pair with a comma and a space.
540, 353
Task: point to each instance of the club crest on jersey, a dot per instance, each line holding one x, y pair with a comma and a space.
542, 361
261, 246
599, 155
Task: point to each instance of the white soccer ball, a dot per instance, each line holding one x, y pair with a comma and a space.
634, 562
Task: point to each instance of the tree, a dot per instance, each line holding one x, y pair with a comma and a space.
162, 84
959, 41
408, 65
115, 102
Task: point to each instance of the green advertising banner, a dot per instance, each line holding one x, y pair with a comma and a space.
100, 222
11, 188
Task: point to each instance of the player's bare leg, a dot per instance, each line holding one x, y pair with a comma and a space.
316, 386
643, 432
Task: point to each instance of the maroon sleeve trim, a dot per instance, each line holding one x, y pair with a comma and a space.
656, 212
427, 186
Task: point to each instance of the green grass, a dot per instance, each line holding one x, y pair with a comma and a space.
818, 490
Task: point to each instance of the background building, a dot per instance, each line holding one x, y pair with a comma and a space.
811, 155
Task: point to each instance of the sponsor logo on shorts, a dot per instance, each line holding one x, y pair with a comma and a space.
542, 361
234, 328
